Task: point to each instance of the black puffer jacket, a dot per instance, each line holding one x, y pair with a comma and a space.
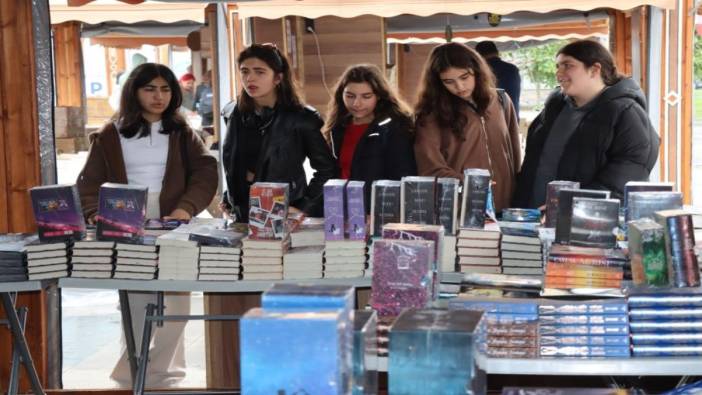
292, 136
385, 152
614, 143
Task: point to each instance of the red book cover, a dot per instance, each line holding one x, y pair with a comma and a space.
268, 210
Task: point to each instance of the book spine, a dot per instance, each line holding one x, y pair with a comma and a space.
556, 270
682, 261
551, 281
622, 341
588, 260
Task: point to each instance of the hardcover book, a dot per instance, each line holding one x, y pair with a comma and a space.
647, 253
447, 204
356, 211
121, 212
645, 204
565, 209
476, 183
594, 222
683, 268
644, 186
268, 210
418, 197
58, 213
334, 209
552, 199
402, 275
385, 204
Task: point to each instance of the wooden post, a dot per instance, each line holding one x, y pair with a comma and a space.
68, 65
19, 162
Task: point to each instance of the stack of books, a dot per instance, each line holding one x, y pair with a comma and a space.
262, 259
478, 250
596, 328
303, 262
48, 260
582, 267
178, 256
93, 258
218, 263
13, 256
137, 261
310, 233
521, 247
683, 267
511, 325
666, 324
345, 258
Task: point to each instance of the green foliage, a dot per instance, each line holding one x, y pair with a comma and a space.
539, 62
697, 56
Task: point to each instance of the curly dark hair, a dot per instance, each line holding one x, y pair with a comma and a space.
435, 100
388, 104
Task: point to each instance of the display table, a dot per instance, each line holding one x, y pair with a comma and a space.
16, 321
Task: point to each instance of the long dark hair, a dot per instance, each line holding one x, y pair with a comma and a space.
287, 94
388, 104
434, 99
590, 52
129, 116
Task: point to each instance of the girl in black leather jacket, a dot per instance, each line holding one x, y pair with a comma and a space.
270, 133
369, 128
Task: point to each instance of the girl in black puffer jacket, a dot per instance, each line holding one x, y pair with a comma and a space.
594, 129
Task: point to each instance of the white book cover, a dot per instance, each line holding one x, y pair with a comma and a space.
345, 244
331, 252
344, 267
136, 247
47, 268
463, 251
301, 275
521, 240
136, 261
344, 274
220, 263
251, 252
219, 257
490, 231
313, 266
218, 277
536, 256
46, 247
307, 238
260, 244
478, 260
448, 254
522, 263
47, 261
262, 269
46, 254
93, 267
135, 268
137, 254
521, 247
48, 275
219, 270
220, 250
261, 261
92, 244
479, 243
134, 276
345, 260
481, 269
93, 252
91, 259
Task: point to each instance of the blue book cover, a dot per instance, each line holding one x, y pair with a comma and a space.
665, 326
666, 299
613, 306
292, 353
586, 340
507, 318
495, 305
121, 212
661, 339
554, 330
593, 319
58, 213
433, 352
666, 314
585, 351
285, 296
690, 389
666, 351
365, 353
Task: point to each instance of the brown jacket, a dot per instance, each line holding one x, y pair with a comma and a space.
106, 164
441, 153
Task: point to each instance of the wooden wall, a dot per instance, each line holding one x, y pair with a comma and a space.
19, 162
68, 63
410, 63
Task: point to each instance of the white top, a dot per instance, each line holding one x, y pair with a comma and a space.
145, 161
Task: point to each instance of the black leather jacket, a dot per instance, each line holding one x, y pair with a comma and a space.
292, 136
385, 152
614, 143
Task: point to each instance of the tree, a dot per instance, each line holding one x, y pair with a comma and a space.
697, 56
539, 64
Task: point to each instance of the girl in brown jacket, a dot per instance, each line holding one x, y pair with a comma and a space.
148, 142
463, 122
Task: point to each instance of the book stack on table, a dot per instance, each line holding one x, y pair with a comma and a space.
220, 263
13, 256
137, 261
48, 260
303, 263
93, 258
178, 256
262, 259
478, 250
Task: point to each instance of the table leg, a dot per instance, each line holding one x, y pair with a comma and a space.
143, 361
128, 331
21, 343
15, 367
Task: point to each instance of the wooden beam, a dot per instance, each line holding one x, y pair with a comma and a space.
688, 32
19, 163
68, 63
137, 42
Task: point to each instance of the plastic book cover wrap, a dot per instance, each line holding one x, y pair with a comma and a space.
385, 204
585, 351
58, 213
552, 189
365, 353
402, 275
605, 306
418, 200
447, 204
594, 222
356, 228
121, 212
476, 183
645, 204
268, 210
565, 209
334, 209
647, 253
683, 268
434, 352
293, 353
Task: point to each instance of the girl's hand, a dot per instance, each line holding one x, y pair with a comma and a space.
178, 214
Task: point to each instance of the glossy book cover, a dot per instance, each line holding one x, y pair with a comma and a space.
58, 213
121, 212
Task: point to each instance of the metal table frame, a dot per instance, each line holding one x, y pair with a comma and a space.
16, 320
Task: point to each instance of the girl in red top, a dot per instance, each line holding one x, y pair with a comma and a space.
369, 128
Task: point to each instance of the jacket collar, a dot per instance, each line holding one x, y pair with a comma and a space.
113, 153
337, 133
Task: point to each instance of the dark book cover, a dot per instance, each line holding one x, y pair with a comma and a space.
521, 215
356, 211
418, 200
58, 213
683, 268
447, 204
476, 183
647, 253
552, 189
644, 186
121, 212
594, 222
268, 210
565, 209
334, 210
645, 204
385, 204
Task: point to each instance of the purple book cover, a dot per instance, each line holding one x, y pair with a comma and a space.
355, 211
402, 275
58, 213
121, 212
334, 209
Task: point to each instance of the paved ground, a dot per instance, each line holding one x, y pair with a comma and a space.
91, 324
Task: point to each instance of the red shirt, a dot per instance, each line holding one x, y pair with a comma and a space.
352, 135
